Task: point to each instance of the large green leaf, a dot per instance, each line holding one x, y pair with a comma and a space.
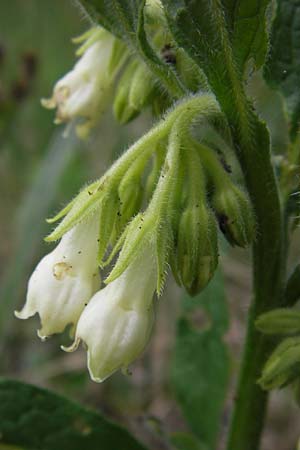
34, 418
118, 16
199, 26
283, 65
200, 365
246, 20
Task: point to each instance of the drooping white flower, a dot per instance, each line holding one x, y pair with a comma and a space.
64, 280
116, 324
84, 92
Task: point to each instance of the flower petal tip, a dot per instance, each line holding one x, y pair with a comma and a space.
48, 103
19, 314
23, 314
71, 348
43, 337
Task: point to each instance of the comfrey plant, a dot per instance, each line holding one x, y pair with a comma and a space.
203, 170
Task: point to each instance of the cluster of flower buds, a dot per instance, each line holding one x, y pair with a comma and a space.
283, 366
167, 218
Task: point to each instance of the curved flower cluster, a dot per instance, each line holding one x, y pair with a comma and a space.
82, 95
188, 192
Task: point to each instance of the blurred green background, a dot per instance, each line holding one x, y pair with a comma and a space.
40, 170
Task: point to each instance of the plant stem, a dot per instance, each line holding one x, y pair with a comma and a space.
252, 147
268, 270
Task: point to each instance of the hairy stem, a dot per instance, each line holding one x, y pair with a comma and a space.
250, 401
252, 147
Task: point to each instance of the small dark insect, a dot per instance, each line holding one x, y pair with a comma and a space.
225, 165
168, 55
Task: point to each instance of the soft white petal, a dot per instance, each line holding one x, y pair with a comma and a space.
64, 280
116, 324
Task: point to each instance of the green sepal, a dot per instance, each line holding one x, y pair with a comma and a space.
88, 38
283, 366
131, 196
64, 211
197, 248
137, 230
131, 192
157, 163
284, 321
116, 248
108, 213
118, 56
123, 111
86, 203
164, 245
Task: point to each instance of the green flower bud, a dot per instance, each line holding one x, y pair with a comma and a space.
108, 216
190, 73
157, 163
234, 214
197, 249
142, 88
135, 90
283, 366
279, 321
131, 196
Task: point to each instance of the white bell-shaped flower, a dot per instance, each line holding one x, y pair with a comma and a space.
116, 324
84, 92
64, 280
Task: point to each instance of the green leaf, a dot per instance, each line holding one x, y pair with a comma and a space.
125, 19
212, 31
117, 16
38, 419
200, 366
246, 21
283, 66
